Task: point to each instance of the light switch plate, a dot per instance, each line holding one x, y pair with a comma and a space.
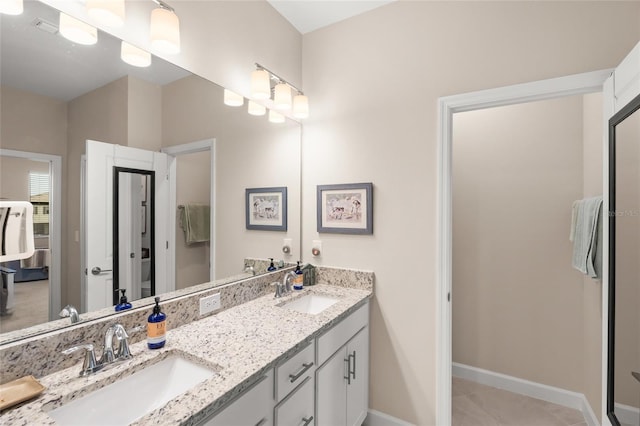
209, 304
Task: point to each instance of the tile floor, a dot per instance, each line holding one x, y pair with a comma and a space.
479, 405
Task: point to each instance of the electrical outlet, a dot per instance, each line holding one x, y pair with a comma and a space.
209, 304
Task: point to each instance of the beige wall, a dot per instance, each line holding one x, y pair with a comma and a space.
144, 112
14, 177
373, 81
250, 153
517, 302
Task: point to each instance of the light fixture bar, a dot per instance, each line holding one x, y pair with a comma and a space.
276, 76
164, 5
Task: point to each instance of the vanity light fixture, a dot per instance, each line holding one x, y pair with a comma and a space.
77, 31
265, 83
275, 117
255, 108
165, 29
232, 98
134, 55
11, 7
109, 13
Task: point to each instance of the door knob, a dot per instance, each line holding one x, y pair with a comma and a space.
97, 271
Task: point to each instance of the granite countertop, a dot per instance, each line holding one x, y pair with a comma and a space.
240, 343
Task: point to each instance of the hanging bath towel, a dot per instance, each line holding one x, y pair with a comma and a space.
587, 236
194, 220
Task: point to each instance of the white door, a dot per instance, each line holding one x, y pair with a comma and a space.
101, 160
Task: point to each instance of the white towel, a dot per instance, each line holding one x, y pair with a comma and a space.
39, 260
586, 218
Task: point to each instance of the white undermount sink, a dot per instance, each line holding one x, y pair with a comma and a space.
310, 303
133, 397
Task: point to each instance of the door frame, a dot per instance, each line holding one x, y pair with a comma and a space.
173, 152
55, 222
576, 84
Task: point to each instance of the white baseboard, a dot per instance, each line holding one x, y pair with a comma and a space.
376, 418
627, 414
552, 394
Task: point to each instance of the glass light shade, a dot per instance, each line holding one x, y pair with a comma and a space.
300, 106
255, 108
275, 117
232, 98
11, 7
165, 31
260, 84
109, 13
134, 55
77, 31
282, 97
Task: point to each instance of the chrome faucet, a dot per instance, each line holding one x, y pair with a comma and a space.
122, 352
286, 281
71, 312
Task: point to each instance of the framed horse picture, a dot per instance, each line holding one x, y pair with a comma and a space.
345, 208
266, 208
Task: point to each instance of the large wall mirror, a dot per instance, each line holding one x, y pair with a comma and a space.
56, 95
623, 376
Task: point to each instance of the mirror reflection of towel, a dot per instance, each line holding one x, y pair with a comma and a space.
194, 220
39, 260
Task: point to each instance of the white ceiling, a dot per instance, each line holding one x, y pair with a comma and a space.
309, 15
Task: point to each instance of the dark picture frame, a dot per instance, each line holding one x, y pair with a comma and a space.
266, 208
345, 208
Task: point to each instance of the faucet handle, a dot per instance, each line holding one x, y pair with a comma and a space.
279, 289
123, 351
90, 364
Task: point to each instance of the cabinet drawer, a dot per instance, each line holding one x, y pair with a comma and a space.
297, 408
294, 371
333, 339
252, 408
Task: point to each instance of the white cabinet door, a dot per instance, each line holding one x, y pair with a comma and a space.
331, 391
358, 385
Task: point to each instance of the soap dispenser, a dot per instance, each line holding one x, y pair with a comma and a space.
271, 267
298, 281
124, 304
156, 327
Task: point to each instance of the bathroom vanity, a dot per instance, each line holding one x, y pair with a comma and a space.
270, 362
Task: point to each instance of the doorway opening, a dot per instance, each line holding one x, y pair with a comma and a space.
191, 182
546, 89
37, 178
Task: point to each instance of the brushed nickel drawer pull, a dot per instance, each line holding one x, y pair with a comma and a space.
295, 376
305, 421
